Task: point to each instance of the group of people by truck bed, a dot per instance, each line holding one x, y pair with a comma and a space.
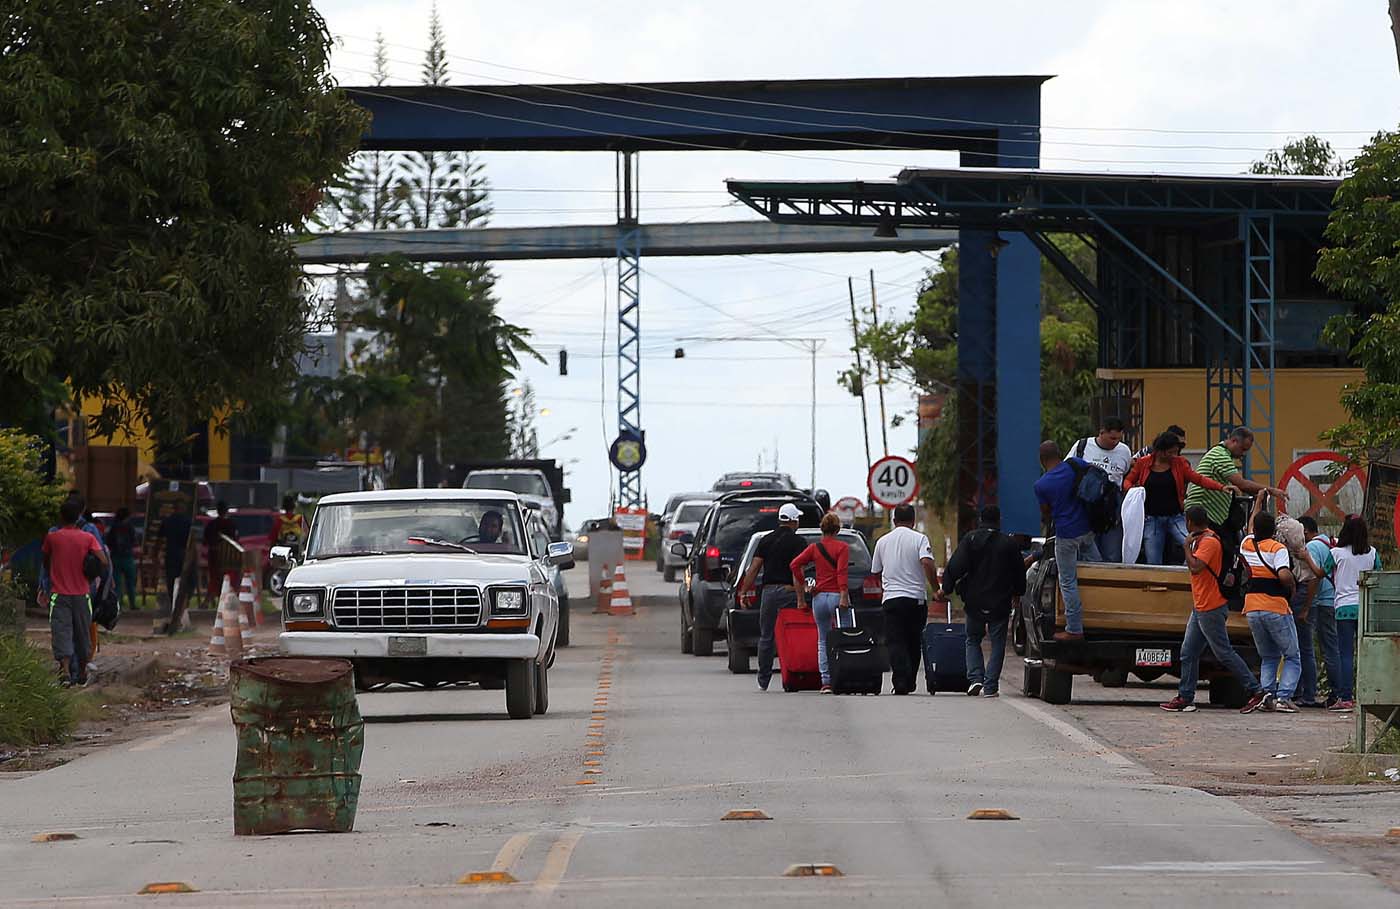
1291, 581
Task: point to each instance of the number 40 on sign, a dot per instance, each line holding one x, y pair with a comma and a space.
892, 481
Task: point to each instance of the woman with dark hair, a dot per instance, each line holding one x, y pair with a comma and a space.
1353, 555
1163, 475
831, 558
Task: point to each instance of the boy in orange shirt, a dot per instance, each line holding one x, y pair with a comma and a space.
1266, 605
1206, 625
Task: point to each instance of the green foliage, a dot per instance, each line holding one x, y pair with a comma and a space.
1306, 156
28, 503
155, 158
520, 422
1362, 264
33, 709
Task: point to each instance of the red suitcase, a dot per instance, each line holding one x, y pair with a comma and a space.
796, 634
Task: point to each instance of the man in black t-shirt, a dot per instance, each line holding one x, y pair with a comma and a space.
774, 557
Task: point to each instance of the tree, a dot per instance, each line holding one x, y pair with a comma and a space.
524, 436
28, 502
1362, 264
1308, 156
155, 160
369, 197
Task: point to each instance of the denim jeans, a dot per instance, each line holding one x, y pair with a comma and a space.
1324, 619
770, 600
1155, 529
1307, 657
824, 614
1345, 686
1276, 639
1110, 545
979, 626
1069, 552
1207, 629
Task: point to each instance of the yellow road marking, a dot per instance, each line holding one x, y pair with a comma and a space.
510, 853
556, 863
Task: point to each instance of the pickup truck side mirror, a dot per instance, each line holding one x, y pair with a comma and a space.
283, 554
561, 555
680, 550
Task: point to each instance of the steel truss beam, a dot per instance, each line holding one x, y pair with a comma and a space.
629, 315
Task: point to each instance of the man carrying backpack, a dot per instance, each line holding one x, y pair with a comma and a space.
1205, 627
1062, 507
987, 571
68, 574
1107, 452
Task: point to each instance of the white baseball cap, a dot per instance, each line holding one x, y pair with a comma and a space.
790, 512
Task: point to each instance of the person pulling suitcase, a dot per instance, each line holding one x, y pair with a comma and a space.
986, 572
774, 557
831, 559
904, 561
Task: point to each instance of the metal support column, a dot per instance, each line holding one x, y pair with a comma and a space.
977, 385
1257, 232
629, 301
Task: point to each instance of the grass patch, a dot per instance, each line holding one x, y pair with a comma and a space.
88, 703
34, 710
1386, 744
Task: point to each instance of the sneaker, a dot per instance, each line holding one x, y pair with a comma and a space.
991, 694
1284, 705
65, 683
1342, 706
762, 684
826, 689
974, 689
1310, 705
1179, 704
83, 680
901, 691
1257, 702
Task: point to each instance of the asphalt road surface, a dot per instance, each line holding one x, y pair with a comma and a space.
616, 798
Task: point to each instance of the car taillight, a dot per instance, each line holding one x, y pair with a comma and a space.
871, 587
712, 563
745, 484
677, 534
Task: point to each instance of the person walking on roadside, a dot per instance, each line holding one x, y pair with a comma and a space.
1175, 430
1163, 474
1107, 451
1206, 626
1221, 465
65, 589
1266, 606
1068, 516
774, 557
1322, 614
1294, 536
987, 569
1352, 554
291, 524
831, 559
174, 535
121, 546
214, 532
904, 562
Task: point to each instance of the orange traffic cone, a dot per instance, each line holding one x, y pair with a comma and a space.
621, 600
234, 621
247, 602
604, 604
216, 642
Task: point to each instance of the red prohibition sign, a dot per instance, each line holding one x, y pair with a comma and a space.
1323, 498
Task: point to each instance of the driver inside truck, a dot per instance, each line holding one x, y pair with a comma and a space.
491, 524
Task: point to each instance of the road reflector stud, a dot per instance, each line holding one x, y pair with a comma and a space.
745, 814
1394, 833
54, 837
992, 814
813, 870
166, 887
598, 753
487, 877
583, 782
591, 763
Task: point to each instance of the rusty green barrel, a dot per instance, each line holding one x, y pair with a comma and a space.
300, 738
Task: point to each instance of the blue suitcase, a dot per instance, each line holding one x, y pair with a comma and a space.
945, 655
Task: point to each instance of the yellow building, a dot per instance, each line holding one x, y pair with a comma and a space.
211, 456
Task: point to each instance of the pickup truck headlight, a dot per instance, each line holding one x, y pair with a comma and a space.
508, 601
304, 602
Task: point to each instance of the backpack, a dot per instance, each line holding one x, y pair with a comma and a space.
107, 605
1101, 497
1234, 580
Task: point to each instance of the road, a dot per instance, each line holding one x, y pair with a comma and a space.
623, 807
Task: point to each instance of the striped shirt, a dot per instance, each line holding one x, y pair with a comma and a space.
1219, 465
1265, 558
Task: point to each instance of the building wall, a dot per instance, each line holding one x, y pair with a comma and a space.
220, 447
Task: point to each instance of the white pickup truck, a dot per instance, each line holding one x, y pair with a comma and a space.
429, 587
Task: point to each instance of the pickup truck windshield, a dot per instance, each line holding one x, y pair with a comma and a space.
354, 527
526, 484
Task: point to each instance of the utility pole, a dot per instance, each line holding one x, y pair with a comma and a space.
879, 370
860, 368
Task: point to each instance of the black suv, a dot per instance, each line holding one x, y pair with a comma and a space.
714, 552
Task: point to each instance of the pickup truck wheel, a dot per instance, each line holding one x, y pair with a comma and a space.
1018, 634
702, 641
1228, 692
1114, 677
685, 633
561, 637
738, 659
541, 690
520, 689
1056, 687
669, 574
1030, 681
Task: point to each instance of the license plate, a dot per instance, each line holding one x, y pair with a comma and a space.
1153, 657
410, 646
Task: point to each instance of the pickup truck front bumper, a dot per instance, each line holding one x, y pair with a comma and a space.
351, 644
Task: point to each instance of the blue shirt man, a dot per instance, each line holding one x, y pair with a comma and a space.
1074, 536
1322, 614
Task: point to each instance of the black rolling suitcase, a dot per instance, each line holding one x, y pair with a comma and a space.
945, 655
856, 660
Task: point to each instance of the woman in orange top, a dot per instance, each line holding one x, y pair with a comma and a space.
1164, 475
1266, 605
832, 559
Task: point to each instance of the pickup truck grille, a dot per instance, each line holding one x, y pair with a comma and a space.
360, 608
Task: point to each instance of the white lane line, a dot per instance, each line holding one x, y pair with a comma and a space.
510, 853
556, 863
1071, 732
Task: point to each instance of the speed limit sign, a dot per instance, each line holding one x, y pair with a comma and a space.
892, 481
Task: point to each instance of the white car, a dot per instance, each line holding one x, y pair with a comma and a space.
429, 587
531, 485
685, 519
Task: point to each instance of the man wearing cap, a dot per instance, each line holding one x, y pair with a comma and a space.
774, 557
904, 561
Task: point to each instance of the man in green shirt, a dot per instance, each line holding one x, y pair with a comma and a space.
1221, 464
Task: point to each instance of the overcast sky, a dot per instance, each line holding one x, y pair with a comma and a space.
1185, 87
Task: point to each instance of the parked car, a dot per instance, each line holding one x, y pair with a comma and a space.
684, 519
585, 530
413, 586
713, 552
753, 479
741, 618
661, 525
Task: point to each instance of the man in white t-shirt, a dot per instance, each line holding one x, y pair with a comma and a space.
1106, 450
904, 561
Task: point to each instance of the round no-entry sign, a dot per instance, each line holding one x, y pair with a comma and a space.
892, 481
849, 508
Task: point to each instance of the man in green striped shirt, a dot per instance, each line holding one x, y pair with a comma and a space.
1221, 464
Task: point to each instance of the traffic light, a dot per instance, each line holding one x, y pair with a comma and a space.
563, 362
